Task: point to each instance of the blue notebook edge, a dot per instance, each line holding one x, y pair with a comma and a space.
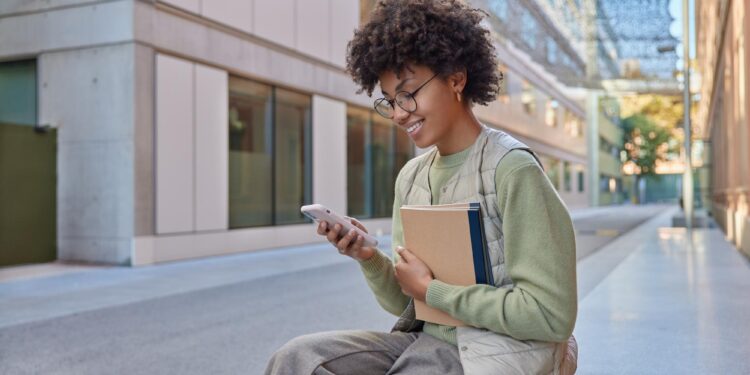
482, 266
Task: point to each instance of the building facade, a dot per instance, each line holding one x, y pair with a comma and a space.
179, 129
722, 121
541, 102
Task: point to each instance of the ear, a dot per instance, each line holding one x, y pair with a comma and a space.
457, 80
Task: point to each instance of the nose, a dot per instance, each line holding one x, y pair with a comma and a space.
400, 115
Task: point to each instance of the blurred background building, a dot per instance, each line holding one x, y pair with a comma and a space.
138, 132
722, 125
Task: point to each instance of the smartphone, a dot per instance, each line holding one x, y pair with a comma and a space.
319, 212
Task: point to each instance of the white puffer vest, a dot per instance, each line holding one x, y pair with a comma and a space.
481, 351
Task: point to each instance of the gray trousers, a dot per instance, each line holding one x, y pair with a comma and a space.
365, 352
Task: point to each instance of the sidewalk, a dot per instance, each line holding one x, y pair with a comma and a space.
24, 299
38, 292
650, 301
672, 304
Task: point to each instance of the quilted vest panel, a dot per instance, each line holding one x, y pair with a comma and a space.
474, 182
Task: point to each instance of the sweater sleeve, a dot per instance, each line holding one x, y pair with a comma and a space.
541, 304
379, 272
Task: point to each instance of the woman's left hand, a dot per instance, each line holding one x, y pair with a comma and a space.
412, 274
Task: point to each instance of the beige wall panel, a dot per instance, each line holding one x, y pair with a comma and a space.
175, 207
211, 149
344, 19
275, 21
234, 13
314, 28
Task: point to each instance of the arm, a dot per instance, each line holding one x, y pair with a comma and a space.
539, 258
379, 273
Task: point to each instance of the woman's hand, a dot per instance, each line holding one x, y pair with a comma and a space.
351, 244
412, 274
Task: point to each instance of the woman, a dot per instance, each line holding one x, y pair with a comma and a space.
433, 61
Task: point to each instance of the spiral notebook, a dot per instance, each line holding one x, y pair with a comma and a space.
450, 240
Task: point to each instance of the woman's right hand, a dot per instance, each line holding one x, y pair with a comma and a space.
352, 244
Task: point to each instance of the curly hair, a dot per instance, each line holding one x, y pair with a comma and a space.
444, 35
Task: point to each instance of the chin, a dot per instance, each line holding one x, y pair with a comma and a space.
423, 143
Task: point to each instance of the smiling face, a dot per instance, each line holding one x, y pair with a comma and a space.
438, 109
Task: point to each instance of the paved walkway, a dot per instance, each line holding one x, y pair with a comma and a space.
38, 292
673, 303
652, 301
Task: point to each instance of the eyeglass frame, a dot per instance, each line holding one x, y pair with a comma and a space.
391, 101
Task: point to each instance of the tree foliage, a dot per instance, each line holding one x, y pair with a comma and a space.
646, 142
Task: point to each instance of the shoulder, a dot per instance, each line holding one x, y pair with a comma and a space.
412, 166
503, 139
520, 171
514, 160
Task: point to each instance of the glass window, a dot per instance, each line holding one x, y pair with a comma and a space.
607, 184
404, 152
293, 155
550, 117
358, 187
528, 29
527, 98
18, 92
609, 148
270, 149
572, 124
376, 152
500, 8
551, 50
567, 121
581, 181
567, 178
381, 149
250, 153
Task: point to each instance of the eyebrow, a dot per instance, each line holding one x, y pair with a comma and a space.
398, 88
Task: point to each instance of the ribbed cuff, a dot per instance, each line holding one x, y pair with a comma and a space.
376, 264
438, 294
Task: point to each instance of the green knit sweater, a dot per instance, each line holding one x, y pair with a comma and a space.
539, 257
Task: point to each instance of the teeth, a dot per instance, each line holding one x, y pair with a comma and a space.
414, 127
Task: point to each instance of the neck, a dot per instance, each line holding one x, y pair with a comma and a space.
464, 132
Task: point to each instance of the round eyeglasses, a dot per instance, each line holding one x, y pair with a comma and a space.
403, 99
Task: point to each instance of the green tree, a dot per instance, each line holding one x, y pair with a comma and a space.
645, 143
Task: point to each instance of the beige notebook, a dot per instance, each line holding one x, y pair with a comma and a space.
449, 239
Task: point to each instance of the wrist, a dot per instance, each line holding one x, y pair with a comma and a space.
365, 255
424, 287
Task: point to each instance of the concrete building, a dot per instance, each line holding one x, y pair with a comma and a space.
722, 121
177, 129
